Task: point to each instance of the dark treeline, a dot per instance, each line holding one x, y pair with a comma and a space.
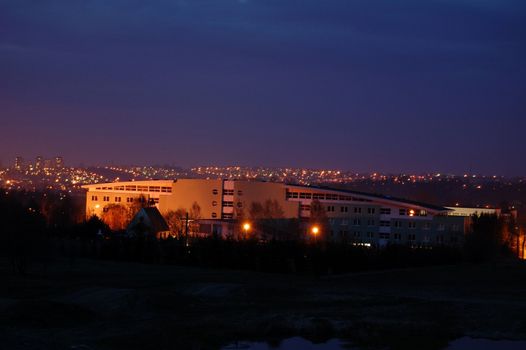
34, 231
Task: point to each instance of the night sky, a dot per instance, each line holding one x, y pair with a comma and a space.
391, 86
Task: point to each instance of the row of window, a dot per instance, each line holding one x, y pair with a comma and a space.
128, 199
396, 236
343, 209
137, 188
324, 196
227, 192
398, 224
226, 216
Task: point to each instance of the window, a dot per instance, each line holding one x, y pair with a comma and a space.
105, 209
357, 210
305, 207
330, 208
228, 192
306, 195
214, 203
357, 234
371, 210
214, 215
344, 223
239, 204
427, 226
370, 222
106, 198
117, 199
239, 193
385, 223
422, 213
214, 191
155, 189
385, 211
228, 216
142, 188
411, 225
131, 188
228, 204
370, 235
441, 227
344, 209
357, 222
129, 200
411, 237
402, 211
166, 189
398, 224
155, 200
94, 198
384, 235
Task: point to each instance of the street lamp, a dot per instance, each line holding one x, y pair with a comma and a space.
246, 228
315, 230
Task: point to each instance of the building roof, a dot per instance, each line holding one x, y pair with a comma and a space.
158, 224
378, 196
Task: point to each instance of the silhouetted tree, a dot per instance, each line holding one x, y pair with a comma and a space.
487, 240
116, 216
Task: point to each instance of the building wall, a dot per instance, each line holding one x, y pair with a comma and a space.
206, 193
246, 193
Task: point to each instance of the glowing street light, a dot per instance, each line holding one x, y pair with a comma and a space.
315, 230
246, 228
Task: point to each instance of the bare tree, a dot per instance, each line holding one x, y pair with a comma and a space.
116, 216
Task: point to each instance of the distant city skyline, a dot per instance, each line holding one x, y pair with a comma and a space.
408, 86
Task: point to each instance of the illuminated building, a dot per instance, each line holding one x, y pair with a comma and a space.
19, 161
59, 162
39, 162
354, 217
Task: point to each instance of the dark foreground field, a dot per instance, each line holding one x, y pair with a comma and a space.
107, 305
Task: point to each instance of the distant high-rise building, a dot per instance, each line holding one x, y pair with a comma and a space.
59, 162
19, 162
48, 164
39, 162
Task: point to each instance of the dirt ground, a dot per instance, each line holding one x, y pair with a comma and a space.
109, 305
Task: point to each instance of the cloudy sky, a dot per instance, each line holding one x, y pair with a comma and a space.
372, 85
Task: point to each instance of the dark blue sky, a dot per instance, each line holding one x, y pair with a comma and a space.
408, 85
